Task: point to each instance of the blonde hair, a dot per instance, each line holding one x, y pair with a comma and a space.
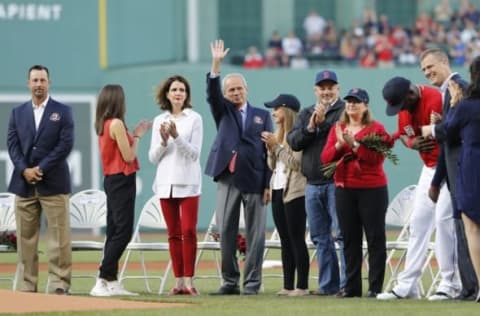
289, 119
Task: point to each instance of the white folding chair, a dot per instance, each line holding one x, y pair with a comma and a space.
272, 243
8, 225
151, 218
398, 216
209, 244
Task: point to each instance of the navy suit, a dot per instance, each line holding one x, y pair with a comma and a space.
48, 148
252, 174
245, 186
447, 167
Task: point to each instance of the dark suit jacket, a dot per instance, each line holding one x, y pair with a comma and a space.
252, 174
48, 148
450, 151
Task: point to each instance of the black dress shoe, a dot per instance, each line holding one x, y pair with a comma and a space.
227, 290
343, 294
60, 291
372, 294
466, 296
249, 292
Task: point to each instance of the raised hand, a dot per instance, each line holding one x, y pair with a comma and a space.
218, 54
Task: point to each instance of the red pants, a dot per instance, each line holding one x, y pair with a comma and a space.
181, 216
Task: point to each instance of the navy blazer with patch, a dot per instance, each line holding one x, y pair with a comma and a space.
252, 174
48, 148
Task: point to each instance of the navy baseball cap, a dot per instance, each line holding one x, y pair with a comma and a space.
324, 76
359, 94
394, 92
286, 100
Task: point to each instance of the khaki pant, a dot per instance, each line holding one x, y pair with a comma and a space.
28, 214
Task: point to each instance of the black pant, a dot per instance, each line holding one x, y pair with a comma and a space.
358, 210
120, 191
290, 220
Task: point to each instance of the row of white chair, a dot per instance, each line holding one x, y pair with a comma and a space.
88, 212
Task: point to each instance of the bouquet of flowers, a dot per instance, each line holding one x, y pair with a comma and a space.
9, 239
372, 141
241, 242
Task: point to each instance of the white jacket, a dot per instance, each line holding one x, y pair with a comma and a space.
178, 164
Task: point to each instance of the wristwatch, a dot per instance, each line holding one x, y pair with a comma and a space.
355, 145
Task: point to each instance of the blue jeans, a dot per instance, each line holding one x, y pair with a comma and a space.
324, 231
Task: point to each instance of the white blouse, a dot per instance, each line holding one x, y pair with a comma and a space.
178, 164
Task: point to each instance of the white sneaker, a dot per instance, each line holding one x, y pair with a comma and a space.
440, 296
388, 296
100, 288
115, 288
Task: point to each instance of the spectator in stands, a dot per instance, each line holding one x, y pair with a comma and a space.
272, 59
384, 52
472, 14
314, 26
118, 153
292, 45
443, 13
361, 193
175, 150
368, 59
253, 59
288, 196
369, 19
349, 48
275, 42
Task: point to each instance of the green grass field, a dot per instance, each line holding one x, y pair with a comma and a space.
266, 303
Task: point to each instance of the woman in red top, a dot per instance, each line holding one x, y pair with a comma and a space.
360, 192
118, 151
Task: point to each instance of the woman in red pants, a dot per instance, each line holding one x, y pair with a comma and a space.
175, 148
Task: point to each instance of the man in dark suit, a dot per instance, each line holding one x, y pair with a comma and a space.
436, 67
40, 138
238, 163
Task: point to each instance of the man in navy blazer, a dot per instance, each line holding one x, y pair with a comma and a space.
238, 163
40, 138
436, 67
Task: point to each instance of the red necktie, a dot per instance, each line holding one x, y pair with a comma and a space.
232, 163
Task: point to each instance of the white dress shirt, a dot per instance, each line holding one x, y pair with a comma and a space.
38, 110
178, 164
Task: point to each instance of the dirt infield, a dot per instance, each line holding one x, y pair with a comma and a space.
19, 302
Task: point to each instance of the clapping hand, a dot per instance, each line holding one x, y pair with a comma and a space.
339, 134
173, 129
142, 127
165, 132
269, 139
423, 144
348, 137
